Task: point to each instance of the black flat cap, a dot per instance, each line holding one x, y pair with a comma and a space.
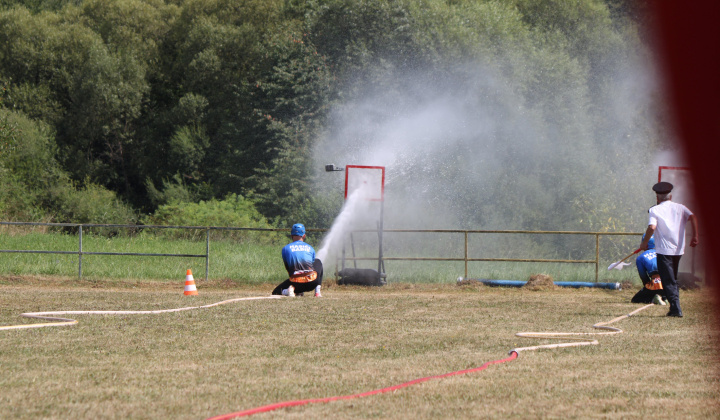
662, 187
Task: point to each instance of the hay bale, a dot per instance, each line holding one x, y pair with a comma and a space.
628, 285
470, 282
540, 282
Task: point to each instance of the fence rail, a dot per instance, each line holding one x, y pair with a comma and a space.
466, 259
80, 251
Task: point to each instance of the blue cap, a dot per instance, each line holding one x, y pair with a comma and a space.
298, 229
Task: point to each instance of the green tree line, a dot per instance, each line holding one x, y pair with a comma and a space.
118, 111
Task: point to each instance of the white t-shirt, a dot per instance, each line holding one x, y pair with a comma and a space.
669, 219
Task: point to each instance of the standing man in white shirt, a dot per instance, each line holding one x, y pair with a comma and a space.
667, 223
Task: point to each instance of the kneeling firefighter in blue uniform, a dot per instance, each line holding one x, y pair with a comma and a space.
652, 291
304, 270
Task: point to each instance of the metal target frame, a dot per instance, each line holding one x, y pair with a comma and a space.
374, 177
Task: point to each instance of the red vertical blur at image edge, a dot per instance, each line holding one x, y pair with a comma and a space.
688, 38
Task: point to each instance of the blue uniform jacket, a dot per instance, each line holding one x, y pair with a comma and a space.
646, 265
298, 257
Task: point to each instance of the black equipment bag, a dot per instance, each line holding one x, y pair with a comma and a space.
361, 277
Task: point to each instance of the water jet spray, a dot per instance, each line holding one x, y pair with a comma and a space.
364, 185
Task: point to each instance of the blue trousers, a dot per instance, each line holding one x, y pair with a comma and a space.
668, 269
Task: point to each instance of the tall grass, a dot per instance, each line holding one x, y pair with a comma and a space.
240, 261
248, 261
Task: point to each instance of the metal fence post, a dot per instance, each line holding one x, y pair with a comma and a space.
597, 255
466, 254
207, 252
80, 252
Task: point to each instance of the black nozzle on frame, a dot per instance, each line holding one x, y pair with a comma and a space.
332, 168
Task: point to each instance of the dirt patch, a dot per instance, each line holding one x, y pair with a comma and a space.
540, 282
470, 283
329, 283
224, 283
93, 283
627, 285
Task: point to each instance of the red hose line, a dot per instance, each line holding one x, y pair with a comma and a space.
271, 407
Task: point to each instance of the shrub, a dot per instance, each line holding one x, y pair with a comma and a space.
33, 186
92, 204
233, 211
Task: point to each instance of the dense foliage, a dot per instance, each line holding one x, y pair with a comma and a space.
118, 108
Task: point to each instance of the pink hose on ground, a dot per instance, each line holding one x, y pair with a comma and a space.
271, 407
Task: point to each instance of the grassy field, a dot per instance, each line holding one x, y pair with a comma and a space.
243, 261
206, 362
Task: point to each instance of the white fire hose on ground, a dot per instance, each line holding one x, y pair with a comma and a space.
59, 322
576, 341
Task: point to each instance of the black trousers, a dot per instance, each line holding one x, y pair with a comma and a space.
302, 287
646, 295
668, 269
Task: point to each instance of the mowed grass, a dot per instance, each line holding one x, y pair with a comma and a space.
201, 363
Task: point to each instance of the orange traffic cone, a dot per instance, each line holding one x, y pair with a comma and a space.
190, 288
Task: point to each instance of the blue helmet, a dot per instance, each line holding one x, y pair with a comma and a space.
651, 242
298, 229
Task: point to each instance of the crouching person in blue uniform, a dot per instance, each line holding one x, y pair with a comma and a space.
304, 270
652, 290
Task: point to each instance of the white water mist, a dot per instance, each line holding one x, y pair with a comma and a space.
354, 214
468, 149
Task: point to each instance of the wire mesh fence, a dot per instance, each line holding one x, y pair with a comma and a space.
462, 252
